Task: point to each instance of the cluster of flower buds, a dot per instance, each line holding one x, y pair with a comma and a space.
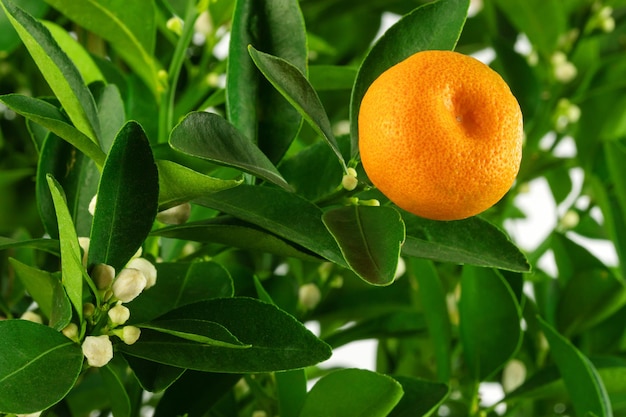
566, 113
564, 71
602, 18
115, 289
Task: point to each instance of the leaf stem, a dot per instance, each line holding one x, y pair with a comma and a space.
166, 114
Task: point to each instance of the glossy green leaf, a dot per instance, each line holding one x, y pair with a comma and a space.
402, 323
370, 239
332, 77
585, 388
46, 245
110, 112
52, 119
71, 264
277, 341
127, 199
421, 397
10, 39
152, 376
77, 174
47, 291
194, 393
130, 28
291, 391
179, 284
179, 184
543, 21
473, 241
196, 329
352, 392
227, 230
120, 402
276, 27
60, 73
433, 297
283, 213
489, 321
589, 297
38, 366
88, 70
210, 136
435, 25
297, 90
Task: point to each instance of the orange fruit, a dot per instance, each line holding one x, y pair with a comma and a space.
440, 134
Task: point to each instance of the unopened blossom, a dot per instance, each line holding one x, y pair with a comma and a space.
175, 215
32, 316
349, 180
309, 296
146, 267
71, 331
83, 242
130, 334
92, 205
98, 350
103, 276
119, 314
129, 284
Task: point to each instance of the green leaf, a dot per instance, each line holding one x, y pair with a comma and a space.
276, 27
47, 290
433, 297
130, 28
152, 376
179, 284
60, 73
71, 264
277, 340
489, 321
120, 402
471, 241
10, 39
582, 381
352, 392
179, 184
229, 231
297, 90
46, 245
38, 366
370, 239
291, 390
79, 178
197, 330
332, 77
110, 112
542, 21
194, 393
435, 25
421, 398
283, 213
87, 68
51, 118
210, 136
588, 298
127, 199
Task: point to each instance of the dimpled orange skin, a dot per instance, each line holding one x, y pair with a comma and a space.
440, 134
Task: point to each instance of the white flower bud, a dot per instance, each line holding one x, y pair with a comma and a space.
92, 205
103, 276
83, 242
401, 268
175, 215
309, 296
119, 314
146, 267
71, 331
259, 413
129, 284
98, 350
32, 316
37, 414
564, 71
513, 375
130, 334
349, 180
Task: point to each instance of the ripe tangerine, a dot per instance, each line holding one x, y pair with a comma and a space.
440, 134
